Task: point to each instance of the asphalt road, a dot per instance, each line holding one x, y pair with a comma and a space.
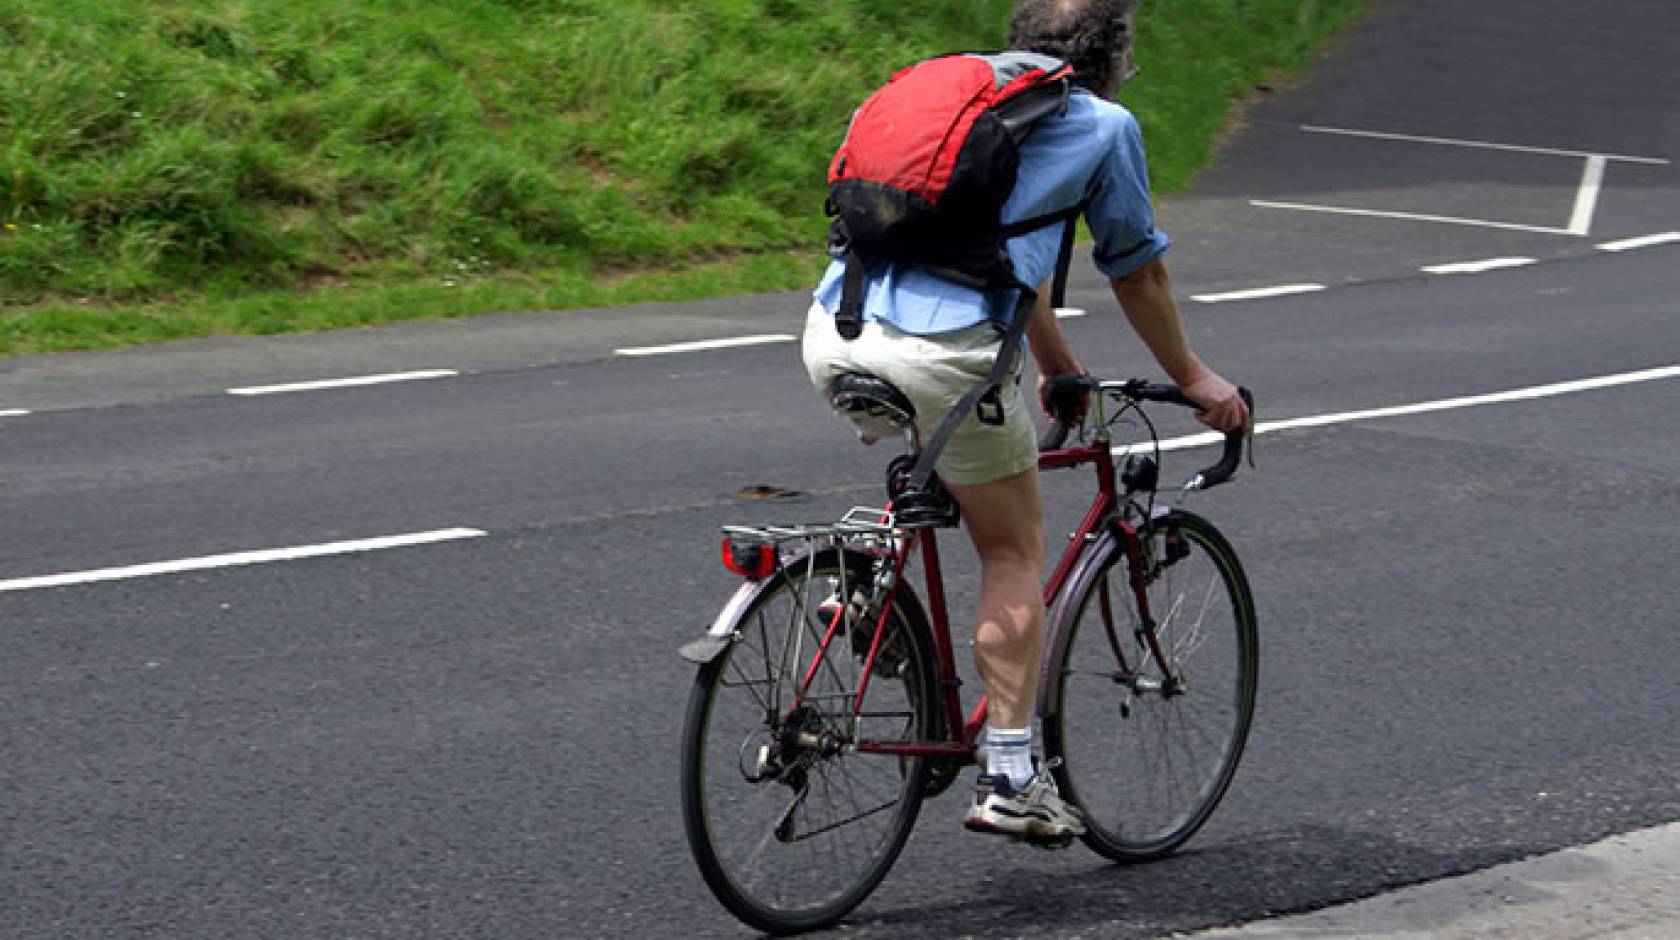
1467, 621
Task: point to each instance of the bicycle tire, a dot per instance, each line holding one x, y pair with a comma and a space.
1124, 734
847, 814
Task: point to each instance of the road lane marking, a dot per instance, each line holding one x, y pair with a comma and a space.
727, 343
1482, 145
1477, 267
263, 556
1643, 241
1586, 198
1068, 313
1580, 217
344, 383
1445, 404
1282, 290
13, 413
1407, 216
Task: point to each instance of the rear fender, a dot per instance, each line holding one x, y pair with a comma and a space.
722, 632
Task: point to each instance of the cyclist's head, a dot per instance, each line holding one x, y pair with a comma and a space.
1093, 36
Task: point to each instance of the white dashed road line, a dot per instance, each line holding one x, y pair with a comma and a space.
1477, 267
1583, 217
1068, 313
726, 343
1257, 293
344, 383
240, 558
13, 413
1643, 241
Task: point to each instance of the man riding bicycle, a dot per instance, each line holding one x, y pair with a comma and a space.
934, 339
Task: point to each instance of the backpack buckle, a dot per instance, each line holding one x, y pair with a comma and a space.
989, 409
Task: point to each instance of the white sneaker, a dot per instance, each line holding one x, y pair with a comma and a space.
1036, 813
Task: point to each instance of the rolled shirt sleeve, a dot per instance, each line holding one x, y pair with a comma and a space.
1120, 215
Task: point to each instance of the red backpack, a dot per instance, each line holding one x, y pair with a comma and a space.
927, 164
922, 178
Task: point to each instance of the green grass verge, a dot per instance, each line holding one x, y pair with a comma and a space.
197, 167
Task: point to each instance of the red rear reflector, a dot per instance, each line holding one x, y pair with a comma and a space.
753, 562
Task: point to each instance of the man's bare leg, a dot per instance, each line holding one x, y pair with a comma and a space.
1005, 520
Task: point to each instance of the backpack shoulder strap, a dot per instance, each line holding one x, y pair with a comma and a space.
1046, 220
1064, 258
848, 320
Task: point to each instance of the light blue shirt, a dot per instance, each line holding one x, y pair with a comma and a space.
1094, 151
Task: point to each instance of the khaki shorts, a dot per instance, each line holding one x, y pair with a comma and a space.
934, 372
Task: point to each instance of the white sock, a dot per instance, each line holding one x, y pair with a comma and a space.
1009, 754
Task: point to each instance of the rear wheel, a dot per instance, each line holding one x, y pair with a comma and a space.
791, 827
1147, 752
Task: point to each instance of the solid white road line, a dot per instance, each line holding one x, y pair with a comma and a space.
1643, 241
1407, 216
1586, 198
1481, 145
239, 558
1477, 267
344, 383
1444, 404
1282, 290
707, 344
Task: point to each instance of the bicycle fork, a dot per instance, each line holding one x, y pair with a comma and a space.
1143, 569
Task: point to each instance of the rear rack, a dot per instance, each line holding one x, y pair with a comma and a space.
860, 526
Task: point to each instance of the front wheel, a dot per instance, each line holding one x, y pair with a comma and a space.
791, 826
1150, 721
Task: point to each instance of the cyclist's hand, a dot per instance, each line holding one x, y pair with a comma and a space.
1221, 407
1077, 417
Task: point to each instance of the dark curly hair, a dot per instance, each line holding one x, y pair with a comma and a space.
1089, 35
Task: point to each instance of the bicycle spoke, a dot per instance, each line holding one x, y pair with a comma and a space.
752, 685
850, 819
773, 704
1192, 637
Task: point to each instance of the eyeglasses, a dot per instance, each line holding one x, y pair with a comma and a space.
1124, 66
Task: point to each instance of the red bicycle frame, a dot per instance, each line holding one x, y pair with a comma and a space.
1104, 510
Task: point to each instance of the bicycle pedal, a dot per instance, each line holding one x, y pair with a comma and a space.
931, 508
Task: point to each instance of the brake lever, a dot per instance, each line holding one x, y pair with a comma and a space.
1248, 426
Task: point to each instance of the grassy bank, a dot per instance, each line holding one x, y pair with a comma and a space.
175, 168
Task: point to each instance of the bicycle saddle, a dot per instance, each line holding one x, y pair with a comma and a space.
875, 406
